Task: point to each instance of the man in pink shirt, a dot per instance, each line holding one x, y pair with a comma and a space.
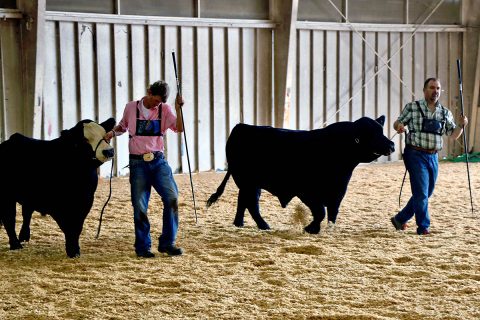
146, 120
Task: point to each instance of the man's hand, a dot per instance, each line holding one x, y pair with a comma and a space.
179, 102
462, 121
109, 135
399, 127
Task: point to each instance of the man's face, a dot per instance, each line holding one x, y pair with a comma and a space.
432, 91
152, 101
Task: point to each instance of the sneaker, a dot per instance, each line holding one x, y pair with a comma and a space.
398, 225
171, 250
146, 254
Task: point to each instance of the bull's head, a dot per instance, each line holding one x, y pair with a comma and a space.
95, 133
370, 140
87, 139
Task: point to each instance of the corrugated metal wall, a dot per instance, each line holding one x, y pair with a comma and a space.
335, 65
11, 81
94, 68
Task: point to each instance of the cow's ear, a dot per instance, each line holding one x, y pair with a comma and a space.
108, 124
381, 120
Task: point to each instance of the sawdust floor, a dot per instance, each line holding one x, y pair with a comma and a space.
362, 269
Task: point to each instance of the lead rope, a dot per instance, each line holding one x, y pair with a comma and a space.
108, 199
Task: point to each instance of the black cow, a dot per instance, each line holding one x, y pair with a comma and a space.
314, 166
57, 177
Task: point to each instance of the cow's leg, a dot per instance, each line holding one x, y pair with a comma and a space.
72, 230
318, 212
8, 219
241, 207
333, 212
252, 196
25, 230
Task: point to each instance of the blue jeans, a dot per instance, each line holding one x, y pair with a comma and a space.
423, 170
143, 176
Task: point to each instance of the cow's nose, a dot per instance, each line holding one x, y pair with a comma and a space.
109, 153
392, 147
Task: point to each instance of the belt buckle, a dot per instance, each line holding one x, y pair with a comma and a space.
148, 156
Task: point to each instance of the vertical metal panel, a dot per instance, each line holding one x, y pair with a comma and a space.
122, 89
383, 103
418, 64
173, 140
3, 125
291, 113
407, 69
138, 61
443, 64
155, 53
264, 77
219, 97
85, 34
51, 99
430, 55
233, 77
105, 80
68, 75
331, 102
204, 98
248, 75
186, 77
453, 87
357, 79
12, 82
370, 77
394, 93
344, 76
318, 85
303, 80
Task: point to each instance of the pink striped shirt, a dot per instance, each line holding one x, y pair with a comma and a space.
145, 144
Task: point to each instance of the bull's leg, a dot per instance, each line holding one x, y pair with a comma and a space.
333, 212
72, 245
25, 230
8, 219
318, 212
253, 196
248, 199
241, 207
72, 230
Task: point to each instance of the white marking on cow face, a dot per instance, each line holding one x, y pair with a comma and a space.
94, 133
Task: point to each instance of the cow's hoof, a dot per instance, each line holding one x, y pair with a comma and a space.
16, 245
24, 236
313, 229
238, 224
263, 226
73, 253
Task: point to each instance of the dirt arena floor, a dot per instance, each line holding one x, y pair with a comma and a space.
361, 269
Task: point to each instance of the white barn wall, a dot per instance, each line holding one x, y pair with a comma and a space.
225, 72
358, 84
11, 80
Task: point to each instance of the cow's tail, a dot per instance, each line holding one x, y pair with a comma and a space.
214, 197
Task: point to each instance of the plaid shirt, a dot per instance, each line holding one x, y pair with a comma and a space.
412, 118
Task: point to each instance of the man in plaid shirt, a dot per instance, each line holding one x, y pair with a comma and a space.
427, 121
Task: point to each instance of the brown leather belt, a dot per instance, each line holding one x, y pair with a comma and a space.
430, 151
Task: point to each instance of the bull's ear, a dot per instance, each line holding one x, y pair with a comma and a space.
381, 120
108, 124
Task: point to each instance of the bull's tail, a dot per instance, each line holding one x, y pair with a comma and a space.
214, 197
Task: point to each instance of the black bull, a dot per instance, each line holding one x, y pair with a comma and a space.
314, 166
57, 177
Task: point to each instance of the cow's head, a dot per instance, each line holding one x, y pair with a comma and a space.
95, 133
370, 141
88, 139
